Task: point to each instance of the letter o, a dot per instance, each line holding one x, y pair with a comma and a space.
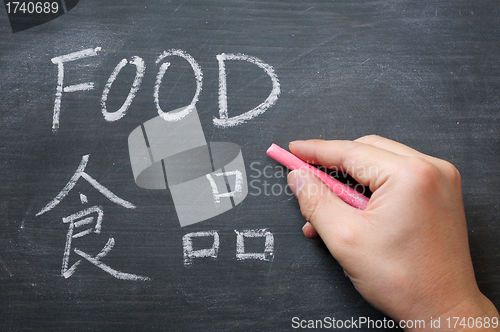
139, 73
168, 116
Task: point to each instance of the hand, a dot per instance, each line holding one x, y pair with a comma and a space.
407, 253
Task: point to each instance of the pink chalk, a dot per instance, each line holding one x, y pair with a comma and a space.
347, 194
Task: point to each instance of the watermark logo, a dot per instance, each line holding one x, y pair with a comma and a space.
269, 179
205, 179
24, 15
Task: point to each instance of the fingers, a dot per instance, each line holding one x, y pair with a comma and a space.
309, 231
327, 215
369, 165
393, 146
387, 144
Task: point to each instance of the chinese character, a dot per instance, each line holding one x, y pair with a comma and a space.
85, 222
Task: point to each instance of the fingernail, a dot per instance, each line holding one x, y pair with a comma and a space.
295, 182
293, 142
306, 229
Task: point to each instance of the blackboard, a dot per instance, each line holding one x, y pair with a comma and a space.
424, 73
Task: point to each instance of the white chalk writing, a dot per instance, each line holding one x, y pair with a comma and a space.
241, 254
167, 116
224, 121
81, 224
60, 60
238, 186
268, 246
189, 253
139, 73
80, 173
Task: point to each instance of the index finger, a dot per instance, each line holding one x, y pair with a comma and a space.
396, 147
367, 164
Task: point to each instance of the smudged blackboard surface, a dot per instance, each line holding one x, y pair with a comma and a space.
424, 73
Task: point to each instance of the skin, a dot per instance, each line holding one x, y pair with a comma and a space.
407, 253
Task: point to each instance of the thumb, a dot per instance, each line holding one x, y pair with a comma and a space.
333, 219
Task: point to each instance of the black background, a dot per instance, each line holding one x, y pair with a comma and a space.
424, 73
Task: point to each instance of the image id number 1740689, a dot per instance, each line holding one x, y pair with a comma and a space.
29, 7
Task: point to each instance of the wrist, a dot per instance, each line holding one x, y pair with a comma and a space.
474, 314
